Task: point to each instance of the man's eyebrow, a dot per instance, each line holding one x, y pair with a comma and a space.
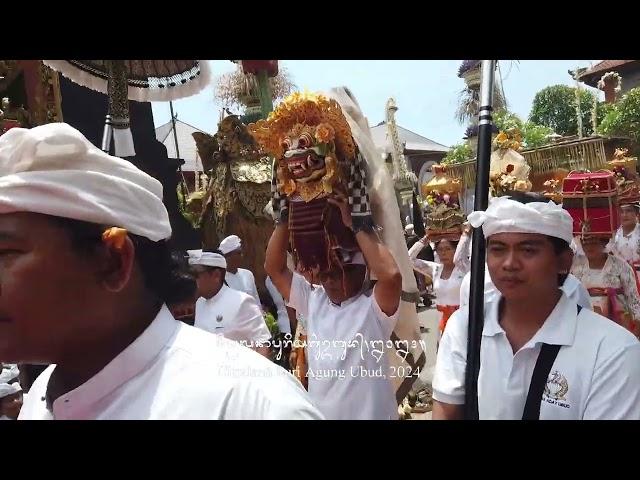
532, 242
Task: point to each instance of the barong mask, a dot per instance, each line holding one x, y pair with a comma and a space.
315, 156
310, 140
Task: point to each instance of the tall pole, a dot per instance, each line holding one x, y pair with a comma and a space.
184, 187
481, 201
578, 107
173, 127
264, 93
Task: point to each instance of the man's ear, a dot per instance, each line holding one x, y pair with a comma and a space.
117, 265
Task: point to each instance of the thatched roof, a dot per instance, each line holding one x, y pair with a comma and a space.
575, 154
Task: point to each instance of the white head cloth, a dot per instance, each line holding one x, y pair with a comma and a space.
8, 373
194, 253
54, 170
7, 389
509, 216
230, 244
208, 259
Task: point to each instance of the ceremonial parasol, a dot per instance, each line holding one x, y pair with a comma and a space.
139, 80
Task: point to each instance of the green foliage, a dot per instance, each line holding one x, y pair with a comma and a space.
191, 211
534, 135
272, 324
505, 120
459, 153
623, 118
555, 107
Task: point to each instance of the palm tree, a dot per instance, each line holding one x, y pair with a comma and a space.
469, 97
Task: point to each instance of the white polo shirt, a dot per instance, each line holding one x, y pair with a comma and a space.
596, 374
174, 371
243, 281
347, 366
234, 315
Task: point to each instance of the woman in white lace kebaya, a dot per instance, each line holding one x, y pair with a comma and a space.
610, 282
447, 274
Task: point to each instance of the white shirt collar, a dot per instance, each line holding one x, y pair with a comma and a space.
635, 231
129, 363
558, 329
221, 293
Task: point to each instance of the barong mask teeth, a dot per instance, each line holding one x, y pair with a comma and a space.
305, 157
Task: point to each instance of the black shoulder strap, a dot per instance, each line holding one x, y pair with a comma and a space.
547, 356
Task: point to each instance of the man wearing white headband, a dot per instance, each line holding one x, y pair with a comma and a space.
542, 356
345, 383
8, 373
569, 283
87, 233
224, 311
237, 278
10, 400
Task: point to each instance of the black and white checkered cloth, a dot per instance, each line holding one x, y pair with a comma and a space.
359, 195
279, 202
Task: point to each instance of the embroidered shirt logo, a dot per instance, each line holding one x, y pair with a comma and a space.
556, 389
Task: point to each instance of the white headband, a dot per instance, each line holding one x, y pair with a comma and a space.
8, 373
54, 170
208, 259
509, 216
230, 244
7, 389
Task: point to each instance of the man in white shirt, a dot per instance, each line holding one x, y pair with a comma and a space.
89, 232
347, 325
224, 311
571, 286
10, 400
237, 278
8, 373
541, 355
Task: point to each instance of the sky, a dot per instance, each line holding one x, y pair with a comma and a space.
426, 91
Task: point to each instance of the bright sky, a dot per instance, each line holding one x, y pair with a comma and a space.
426, 91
